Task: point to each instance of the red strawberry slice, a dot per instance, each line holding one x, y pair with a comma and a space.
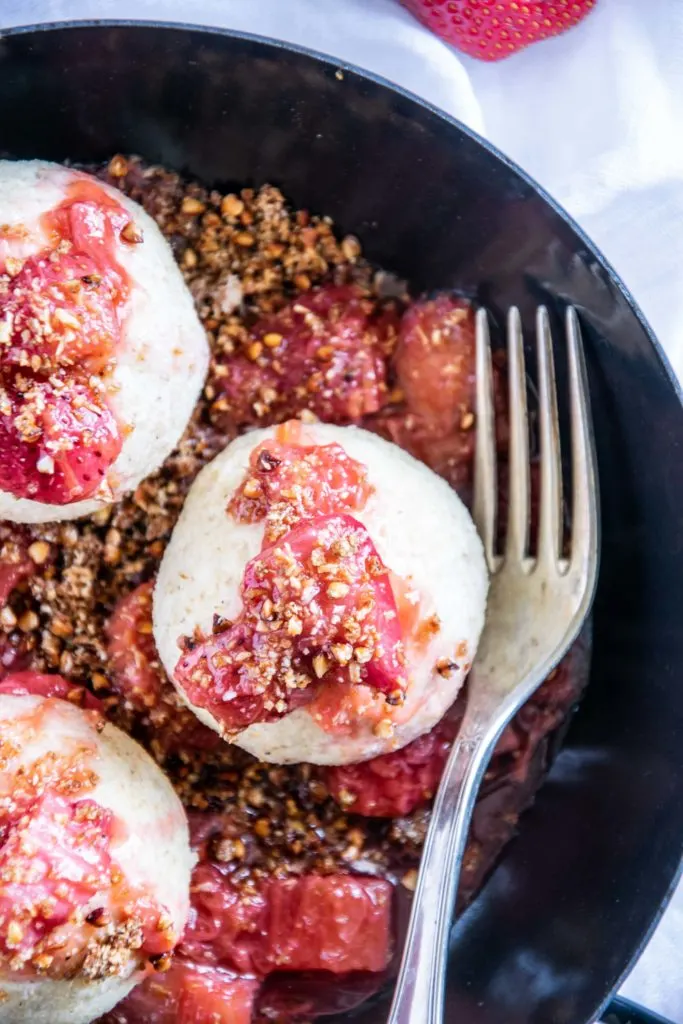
53, 859
494, 29
318, 608
337, 923
58, 434
187, 994
141, 683
39, 684
323, 351
394, 784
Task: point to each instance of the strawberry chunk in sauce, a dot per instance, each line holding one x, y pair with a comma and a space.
435, 361
61, 317
215, 998
239, 934
289, 480
38, 684
68, 864
324, 351
138, 677
133, 660
188, 995
395, 784
435, 369
329, 923
317, 607
15, 562
336, 923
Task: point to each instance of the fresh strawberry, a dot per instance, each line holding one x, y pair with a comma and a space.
493, 29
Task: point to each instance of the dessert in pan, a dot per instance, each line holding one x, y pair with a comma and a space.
240, 588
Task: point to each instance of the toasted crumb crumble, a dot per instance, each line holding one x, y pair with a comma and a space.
244, 255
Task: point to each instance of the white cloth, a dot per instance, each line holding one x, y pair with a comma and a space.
596, 116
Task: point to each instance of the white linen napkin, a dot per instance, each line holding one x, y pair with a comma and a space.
596, 116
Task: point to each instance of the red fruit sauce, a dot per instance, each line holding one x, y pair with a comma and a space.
434, 362
15, 565
263, 948
395, 784
61, 320
189, 995
239, 934
133, 659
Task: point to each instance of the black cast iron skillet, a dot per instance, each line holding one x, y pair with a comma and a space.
575, 896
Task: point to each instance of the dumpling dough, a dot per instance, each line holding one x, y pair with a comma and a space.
422, 532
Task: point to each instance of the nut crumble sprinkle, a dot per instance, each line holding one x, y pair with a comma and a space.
246, 257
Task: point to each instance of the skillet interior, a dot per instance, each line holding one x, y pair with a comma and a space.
573, 898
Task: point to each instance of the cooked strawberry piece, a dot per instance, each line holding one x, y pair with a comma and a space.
435, 369
395, 784
15, 563
227, 927
213, 997
345, 598
435, 361
323, 351
38, 684
138, 677
34, 470
54, 858
288, 481
188, 995
492, 31
60, 324
92, 220
70, 297
214, 677
317, 607
337, 923
135, 667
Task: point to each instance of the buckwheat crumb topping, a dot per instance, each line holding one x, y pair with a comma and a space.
73, 576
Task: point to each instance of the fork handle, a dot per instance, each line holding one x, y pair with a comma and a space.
418, 996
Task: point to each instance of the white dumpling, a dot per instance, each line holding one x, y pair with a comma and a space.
162, 359
422, 532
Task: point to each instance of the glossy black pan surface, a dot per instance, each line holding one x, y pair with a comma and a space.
575, 895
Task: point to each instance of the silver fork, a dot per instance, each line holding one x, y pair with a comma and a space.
536, 607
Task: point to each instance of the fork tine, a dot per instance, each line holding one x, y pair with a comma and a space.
485, 493
517, 540
584, 476
550, 519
